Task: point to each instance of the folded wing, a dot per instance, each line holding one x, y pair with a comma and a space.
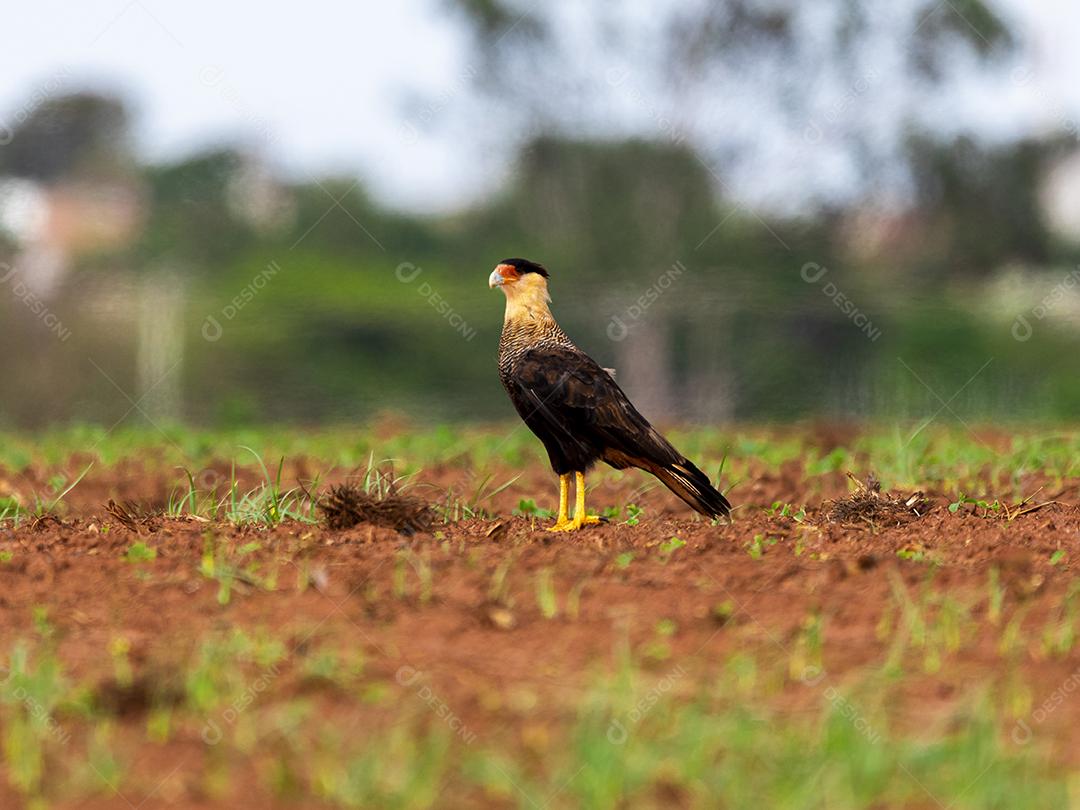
581, 415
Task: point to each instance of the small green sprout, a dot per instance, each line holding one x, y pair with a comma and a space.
756, 547
528, 507
140, 552
670, 547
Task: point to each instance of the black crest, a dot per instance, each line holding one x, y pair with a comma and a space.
525, 266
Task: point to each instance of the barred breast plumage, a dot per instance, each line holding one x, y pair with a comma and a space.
518, 336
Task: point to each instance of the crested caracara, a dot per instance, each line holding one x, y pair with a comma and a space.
575, 407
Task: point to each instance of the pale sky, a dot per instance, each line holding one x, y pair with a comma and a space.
331, 86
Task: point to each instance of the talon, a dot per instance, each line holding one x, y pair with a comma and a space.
563, 526
574, 524
564, 523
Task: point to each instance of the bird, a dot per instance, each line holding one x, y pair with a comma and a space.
576, 408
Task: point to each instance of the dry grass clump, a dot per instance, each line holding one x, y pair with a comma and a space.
868, 503
348, 505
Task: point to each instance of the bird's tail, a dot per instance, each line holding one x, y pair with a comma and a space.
694, 487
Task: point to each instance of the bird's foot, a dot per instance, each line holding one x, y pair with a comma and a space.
563, 526
574, 523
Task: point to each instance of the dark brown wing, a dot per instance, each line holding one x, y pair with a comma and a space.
581, 415
580, 402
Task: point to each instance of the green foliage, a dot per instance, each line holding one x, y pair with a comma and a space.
653, 725
9, 510
224, 665
140, 552
528, 507
943, 456
669, 547
232, 568
702, 747
343, 319
781, 509
756, 547
69, 135
546, 598
31, 691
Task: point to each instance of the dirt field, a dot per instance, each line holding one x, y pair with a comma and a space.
833, 647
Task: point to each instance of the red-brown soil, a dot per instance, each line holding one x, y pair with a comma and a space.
749, 586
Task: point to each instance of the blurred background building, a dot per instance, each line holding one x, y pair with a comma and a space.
754, 210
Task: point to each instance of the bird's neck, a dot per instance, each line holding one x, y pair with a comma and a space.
528, 306
528, 324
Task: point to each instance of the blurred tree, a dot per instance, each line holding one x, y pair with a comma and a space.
799, 104
981, 204
82, 134
337, 215
191, 221
606, 208
625, 217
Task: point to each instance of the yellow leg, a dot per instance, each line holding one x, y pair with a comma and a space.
562, 522
581, 518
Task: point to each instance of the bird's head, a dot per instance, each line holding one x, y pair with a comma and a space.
520, 280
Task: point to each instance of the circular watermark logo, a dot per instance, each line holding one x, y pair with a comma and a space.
211, 329
1021, 329
407, 272
812, 675
617, 733
211, 733
1021, 733
211, 75
616, 329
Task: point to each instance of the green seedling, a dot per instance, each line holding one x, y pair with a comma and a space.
996, 597
573, 600
48, 507
140, 553
31, 694
215, 564
499, 587
723, 611
545, 593
669, 547
530, 509
10, 510
781, 509
912, 554
756, 547
421, 565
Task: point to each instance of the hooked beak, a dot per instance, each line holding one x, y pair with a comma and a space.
496, 279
